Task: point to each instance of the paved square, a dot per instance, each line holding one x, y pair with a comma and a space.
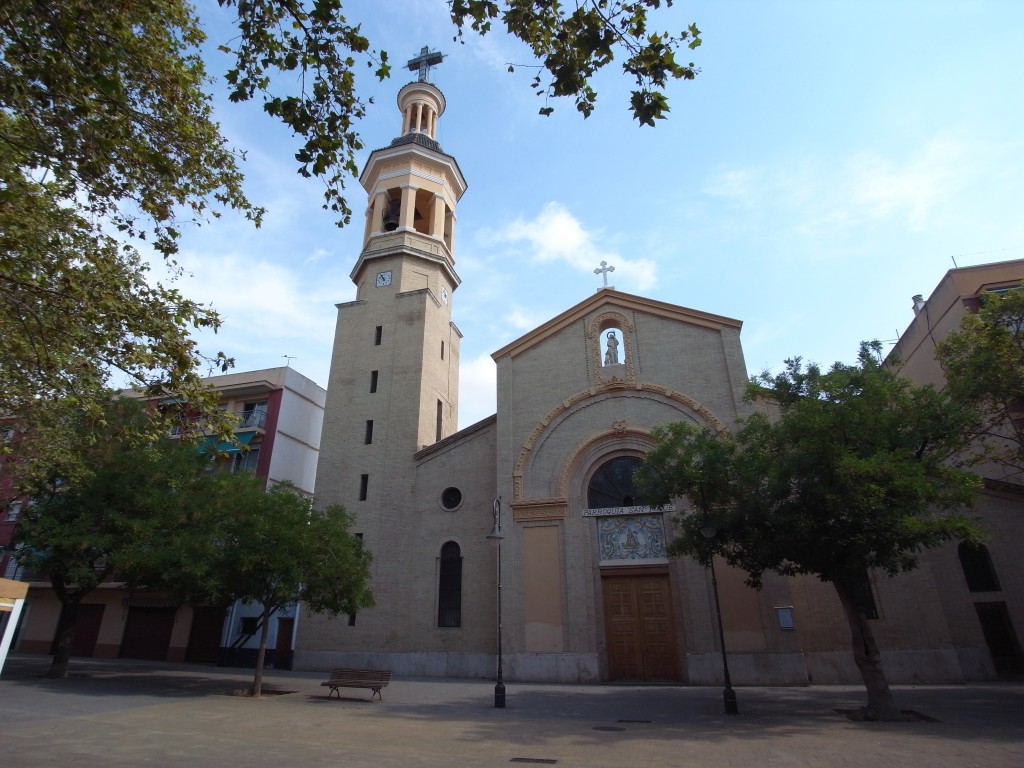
127, 713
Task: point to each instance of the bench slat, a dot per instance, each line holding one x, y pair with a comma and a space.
374, 679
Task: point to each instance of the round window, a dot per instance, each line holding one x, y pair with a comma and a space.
451, 498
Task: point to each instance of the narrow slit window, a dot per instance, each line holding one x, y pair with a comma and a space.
449, 602
369, 431
364, 486
373, 381
440, 420
378, 335
352, 616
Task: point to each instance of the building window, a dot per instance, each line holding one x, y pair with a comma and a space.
369, 431
449, 601
373, 381
451, 498
352, 616
364, 486
249, 625
246, 461
440, 421
978, 570
254, 414
612, 485
13, 511
442, 350
378, 335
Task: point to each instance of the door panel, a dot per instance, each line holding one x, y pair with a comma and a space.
639, 628
147, 633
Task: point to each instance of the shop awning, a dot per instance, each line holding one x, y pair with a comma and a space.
243, 438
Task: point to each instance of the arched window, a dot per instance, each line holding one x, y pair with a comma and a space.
449, 600
978, 570
612, 485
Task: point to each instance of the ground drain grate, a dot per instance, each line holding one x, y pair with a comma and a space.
534, 760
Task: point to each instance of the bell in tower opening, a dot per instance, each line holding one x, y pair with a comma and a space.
391, 214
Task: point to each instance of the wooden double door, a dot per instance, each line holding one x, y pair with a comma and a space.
639, 627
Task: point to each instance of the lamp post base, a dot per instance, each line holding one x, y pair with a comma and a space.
729, 696
499, 696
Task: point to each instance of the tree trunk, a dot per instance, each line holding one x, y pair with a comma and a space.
65, 636
881, 704
257, 682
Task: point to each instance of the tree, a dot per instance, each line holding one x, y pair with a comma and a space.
273, 548
113, 520
984, 365
107, 140
852, 475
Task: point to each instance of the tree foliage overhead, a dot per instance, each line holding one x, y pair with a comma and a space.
573, 41
107, 140
852, 475
984, 365
108, 101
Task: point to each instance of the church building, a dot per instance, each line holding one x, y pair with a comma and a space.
579, 587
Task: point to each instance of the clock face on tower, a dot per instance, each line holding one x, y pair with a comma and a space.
383, 278
444, 295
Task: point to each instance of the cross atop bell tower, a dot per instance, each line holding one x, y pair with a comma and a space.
424, 62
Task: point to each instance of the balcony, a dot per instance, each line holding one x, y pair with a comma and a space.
254, 419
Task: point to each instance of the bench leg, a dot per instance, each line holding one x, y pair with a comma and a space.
376, 692
334, 689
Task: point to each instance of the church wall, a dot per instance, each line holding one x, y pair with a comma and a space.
705, 363
401, 632
999, 514
561, 400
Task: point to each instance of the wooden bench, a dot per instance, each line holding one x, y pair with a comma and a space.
374, 679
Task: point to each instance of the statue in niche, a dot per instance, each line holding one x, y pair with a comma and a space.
611, 355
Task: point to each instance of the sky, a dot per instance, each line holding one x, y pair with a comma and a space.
831, 160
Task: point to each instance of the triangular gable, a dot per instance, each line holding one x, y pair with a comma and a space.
609, 297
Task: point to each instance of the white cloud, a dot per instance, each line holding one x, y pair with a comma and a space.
818, 198
524, 320
555, 235
881, 188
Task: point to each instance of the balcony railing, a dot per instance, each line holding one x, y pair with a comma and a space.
255, 418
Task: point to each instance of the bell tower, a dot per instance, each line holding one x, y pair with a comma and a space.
394, 380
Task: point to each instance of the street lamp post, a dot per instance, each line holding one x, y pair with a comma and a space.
708, 531
496, 536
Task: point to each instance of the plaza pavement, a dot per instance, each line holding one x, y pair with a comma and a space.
132, 713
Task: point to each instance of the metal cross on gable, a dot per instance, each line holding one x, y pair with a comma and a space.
424, 62
603, 270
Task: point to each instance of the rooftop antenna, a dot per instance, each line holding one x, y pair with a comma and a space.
288, 360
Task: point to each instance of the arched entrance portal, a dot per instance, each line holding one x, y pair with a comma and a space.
639, 626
